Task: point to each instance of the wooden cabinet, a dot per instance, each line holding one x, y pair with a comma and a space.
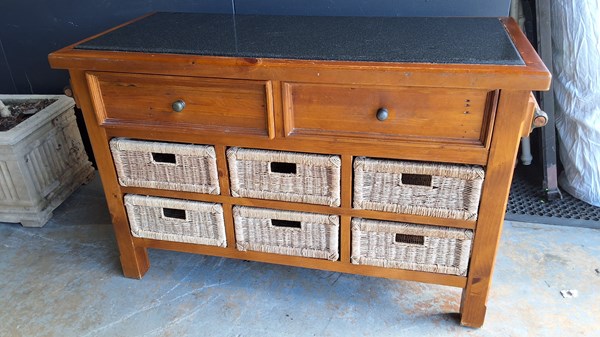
379, 166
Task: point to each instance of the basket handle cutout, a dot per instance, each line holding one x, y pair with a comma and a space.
174, 213
168, 158
416, 179
279, 167
410, 239
286, 223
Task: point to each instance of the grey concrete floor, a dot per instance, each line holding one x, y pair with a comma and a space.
65, 280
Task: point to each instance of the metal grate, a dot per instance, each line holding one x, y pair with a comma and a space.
526, 203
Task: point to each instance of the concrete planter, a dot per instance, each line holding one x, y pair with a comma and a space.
42, 161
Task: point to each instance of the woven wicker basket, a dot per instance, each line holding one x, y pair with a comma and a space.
169, 166
277, 175
428, 189
176, 220
286, 232
409, 246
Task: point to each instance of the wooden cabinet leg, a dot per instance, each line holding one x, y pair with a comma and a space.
135, 262
499, 171
472, 307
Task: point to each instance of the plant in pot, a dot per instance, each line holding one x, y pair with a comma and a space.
42, 158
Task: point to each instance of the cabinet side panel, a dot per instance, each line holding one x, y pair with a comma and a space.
510, 120
134, 260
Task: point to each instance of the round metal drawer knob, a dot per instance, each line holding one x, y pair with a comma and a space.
178, 105
382, 114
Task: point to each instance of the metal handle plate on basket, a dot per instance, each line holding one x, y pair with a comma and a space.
280, 167
168, 158
416, 179
286, 223
174, 213
410, 239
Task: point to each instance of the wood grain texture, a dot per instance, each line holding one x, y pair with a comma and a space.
400, 274
510, 121
227, 106
532, 105
229, 226
346, 174
450, 115
345, 227
324, 107
367, 73
532, 60
374, 147
134, 259
532, 76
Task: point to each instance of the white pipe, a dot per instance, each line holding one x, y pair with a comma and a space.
514, 9
517, 13
526, 156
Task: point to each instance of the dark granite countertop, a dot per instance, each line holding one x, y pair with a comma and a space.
381, 39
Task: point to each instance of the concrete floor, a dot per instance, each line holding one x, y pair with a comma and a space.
65, 280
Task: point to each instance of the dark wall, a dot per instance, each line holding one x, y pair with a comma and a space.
31, 29
375, 7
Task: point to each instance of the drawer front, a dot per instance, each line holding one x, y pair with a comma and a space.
417, 114
420, 188
176, 220
410, 246
169, 166
287, 232
286, 176
225, 106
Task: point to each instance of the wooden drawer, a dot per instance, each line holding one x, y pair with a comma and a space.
220, 105
426, 114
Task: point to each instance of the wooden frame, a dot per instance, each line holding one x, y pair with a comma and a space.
508, 119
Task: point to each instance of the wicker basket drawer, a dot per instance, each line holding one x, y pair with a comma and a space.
168, 166
277, 175
176, 220
409, 246
286, 232
428, 189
